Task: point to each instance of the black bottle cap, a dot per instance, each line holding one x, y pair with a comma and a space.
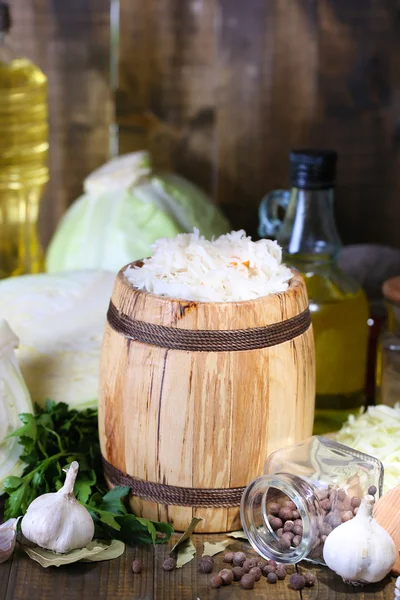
5, 20
312, 169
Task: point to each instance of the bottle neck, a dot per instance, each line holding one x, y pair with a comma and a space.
255, 522
5, 49
308, 232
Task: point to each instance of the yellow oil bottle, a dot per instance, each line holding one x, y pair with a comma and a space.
338, 305
23, 157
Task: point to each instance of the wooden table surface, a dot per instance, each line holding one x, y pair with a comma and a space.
23, 579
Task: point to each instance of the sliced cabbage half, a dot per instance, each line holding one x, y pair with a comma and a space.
14, 399
59, 320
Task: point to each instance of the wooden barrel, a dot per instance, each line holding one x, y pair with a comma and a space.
195, 395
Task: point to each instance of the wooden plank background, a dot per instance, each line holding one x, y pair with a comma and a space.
220, 90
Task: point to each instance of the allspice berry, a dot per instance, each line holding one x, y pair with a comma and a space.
297, 582
226, 576
247, 582
256, 572
216, 581
239, 558
309, 578
281, 572
272, 578
238, 573
206, 566
253, 562
169, 564
228, 558
247, 565
267, 569
136, 566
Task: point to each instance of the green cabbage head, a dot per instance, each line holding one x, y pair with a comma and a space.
126, 207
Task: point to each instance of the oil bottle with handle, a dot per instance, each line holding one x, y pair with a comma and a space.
338, 305
23, 156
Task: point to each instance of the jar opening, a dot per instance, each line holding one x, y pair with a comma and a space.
269, 505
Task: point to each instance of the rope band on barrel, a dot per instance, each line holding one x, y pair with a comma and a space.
174, 495
208, 340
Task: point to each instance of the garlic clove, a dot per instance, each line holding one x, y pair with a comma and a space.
57, 521
8, 537
360, 550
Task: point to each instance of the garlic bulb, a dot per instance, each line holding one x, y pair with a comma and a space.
360, 550
397, 589
8, 536
57, 521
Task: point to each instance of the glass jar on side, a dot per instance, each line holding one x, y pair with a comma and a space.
338, 305
308, 490
389, 367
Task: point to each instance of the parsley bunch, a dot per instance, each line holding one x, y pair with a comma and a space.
53, 438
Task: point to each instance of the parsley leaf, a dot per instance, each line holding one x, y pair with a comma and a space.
50, 440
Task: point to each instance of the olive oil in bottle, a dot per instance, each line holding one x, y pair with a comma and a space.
23, 156
338, 305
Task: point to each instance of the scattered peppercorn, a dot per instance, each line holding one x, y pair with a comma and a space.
253, 562
273, 563
297, 581
206, 566
372, 490
247, 582
272, 577
268, 569
169, 564
228, 558
261, 564
256, 572
136, 566
239, 558
309, 578
216, 582
226, 576
208, 557
281, 572
246, 566
238, 573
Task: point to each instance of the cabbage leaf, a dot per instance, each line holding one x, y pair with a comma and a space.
14, 399
59, 320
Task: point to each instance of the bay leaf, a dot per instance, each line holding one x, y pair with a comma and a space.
114, 549
238, 535
186, 552
211, 549
186, 535
48, 558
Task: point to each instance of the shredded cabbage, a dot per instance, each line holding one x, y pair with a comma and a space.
14, 399
125, 208
59, 320
376, 432
229, 268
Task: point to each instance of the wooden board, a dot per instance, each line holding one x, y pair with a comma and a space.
24, 579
